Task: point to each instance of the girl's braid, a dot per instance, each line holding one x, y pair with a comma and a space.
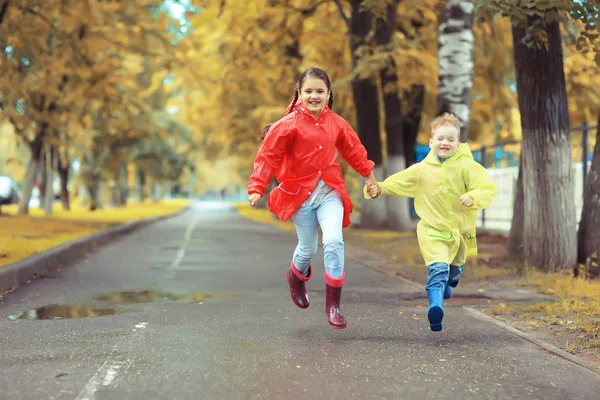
293, 103
330, 104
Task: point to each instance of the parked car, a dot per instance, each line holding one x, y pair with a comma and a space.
9, 191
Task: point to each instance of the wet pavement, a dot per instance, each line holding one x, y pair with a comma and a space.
196, 307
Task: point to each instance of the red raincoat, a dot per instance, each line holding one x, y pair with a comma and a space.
299, 149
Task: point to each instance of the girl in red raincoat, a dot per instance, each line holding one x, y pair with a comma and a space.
301, 150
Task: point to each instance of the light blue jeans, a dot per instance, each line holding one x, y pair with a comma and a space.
328, 214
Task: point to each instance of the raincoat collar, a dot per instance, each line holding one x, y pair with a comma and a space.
463, 151
302, 110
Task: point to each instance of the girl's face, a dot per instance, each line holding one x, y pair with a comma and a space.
444, 141
314, 95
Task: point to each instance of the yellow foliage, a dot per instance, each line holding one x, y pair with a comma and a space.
23, 236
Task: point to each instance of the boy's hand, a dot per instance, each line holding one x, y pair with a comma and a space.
466, 201
253, 199
373, 190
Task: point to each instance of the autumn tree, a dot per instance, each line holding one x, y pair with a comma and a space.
549, 237
66, 64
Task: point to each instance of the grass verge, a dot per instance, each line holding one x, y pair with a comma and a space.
23, 236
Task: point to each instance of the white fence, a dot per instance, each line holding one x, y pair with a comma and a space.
499, 215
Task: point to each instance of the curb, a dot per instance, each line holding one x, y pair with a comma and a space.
20, 273
552, 349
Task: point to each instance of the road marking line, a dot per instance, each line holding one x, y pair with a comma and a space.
110, 369
186, 240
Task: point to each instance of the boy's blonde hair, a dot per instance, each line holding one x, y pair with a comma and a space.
446, 119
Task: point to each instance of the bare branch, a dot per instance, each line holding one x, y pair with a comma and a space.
221, 8
44, 18
3, 10
340, 7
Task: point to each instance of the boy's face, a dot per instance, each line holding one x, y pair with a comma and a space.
444, 141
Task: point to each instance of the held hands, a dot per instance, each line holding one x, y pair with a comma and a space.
466, 201
373, 189
253, 199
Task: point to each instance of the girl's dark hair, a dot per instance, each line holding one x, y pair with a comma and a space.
309, 73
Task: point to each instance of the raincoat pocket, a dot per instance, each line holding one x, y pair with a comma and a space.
434, 233
284, 195
289, 187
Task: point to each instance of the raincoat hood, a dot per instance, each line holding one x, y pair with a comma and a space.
462, 151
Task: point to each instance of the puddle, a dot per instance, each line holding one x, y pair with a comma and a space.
81, 311
63, 312
151, 296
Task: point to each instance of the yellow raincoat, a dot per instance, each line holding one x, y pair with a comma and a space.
446, 231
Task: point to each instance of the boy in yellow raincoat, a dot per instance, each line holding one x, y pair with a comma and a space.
448, 186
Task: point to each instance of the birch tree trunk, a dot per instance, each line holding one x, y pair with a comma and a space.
455, 58
549, 233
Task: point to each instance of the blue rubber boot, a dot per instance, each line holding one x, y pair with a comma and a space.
437, 280
435, 314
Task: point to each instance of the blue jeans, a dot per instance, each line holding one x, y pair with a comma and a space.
441, 275
328, 214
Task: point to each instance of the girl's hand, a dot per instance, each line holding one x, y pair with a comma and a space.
253, 199
373, 190
371, 180
466, 201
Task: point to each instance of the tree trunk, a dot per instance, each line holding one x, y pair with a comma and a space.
154, 189
515, 236
192, 184
414, 101
167, 189
30, 176
123, 183
93, 187
549, 234
455, 58
49, 190
588, 236
62, 166
41, 179
398, 215
373, 213
140, 182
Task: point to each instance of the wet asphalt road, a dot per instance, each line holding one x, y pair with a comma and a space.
198, 308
